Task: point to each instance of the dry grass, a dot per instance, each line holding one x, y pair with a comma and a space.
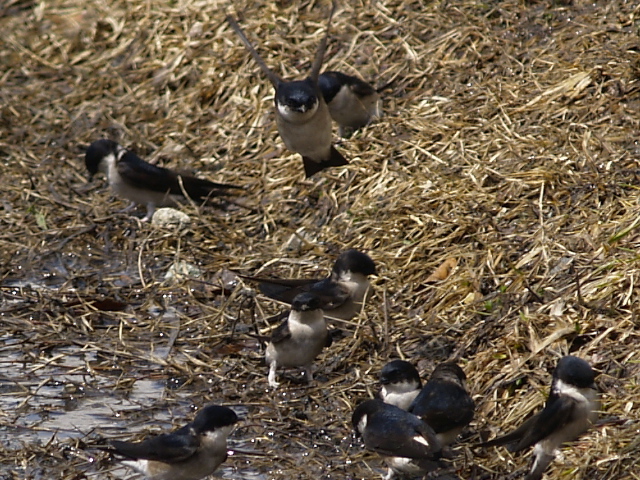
509, 143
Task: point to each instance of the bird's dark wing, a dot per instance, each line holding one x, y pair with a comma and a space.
313, 166
199, 188
285, 290
331, 293
140, 174
361, 88
281, 332
443, 406
400, 434
318, 59
168, 448
282, 289
554, 416
272, 320
511, 438
331, 83
273, 78
333, 333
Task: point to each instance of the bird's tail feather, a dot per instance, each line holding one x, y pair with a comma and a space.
199, 188
312, 167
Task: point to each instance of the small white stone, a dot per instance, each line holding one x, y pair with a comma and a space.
168, 217
294, 244
297, 240
182, 269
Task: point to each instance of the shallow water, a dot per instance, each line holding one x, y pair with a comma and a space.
56, 397
56, 390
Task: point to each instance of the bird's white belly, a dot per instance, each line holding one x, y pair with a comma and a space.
143, 197
401, 400
201, 465
352, 111
310, 137
301, 349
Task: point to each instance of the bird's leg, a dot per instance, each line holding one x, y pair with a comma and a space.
129, 208
151, 208
272, 375
541, 461
308, 373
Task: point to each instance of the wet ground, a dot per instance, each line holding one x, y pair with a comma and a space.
80, 369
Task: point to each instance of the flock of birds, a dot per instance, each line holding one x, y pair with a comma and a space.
410, 425
304, 113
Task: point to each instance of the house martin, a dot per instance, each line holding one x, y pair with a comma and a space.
342, 293
302, 115
409, 445
134, 179
190, 453
400, 382
571, 408
298, 340
444, 403
352, 102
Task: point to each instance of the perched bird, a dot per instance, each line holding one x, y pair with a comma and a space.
400, 383
352, 102
298, 340
302, 115
134, 179
572, 407
190, 453
444, 404
342, 293
409, 444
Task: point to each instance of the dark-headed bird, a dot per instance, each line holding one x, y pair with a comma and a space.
444, 402
409, 445
132, 178
342, 293
352, 102
400, 382
190, 453
572, 407
298, 340
302, 115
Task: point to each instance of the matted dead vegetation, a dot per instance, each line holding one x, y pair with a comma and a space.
509, 143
